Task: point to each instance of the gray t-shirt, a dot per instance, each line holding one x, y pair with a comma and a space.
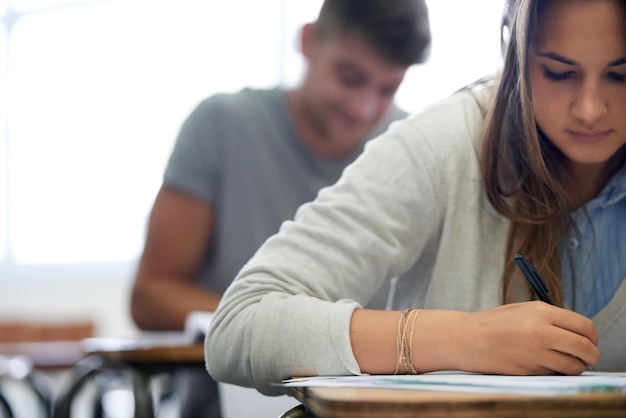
241, 154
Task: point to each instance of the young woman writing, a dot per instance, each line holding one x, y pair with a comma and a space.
533, 163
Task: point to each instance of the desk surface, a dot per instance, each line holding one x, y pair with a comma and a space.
47, 354
143, 351
398, 403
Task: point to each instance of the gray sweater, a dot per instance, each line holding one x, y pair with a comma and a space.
411, 209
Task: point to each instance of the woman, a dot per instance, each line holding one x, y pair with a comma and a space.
442, 203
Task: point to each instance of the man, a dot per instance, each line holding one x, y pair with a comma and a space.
243, 163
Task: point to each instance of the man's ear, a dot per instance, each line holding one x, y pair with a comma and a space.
307, 39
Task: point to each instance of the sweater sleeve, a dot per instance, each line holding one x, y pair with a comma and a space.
288, 311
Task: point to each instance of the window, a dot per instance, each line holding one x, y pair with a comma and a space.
465, 47
97, 92
36, 5
93, 92
4, 167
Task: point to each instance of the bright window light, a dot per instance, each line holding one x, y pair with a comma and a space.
4, 169
26, 5
98, 95
465, 47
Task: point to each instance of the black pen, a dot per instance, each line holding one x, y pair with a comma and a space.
534, 278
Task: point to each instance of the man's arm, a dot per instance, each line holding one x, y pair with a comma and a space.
180, 230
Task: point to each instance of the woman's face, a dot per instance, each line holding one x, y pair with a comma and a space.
577, 65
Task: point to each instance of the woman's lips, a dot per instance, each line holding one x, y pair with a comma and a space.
590, 137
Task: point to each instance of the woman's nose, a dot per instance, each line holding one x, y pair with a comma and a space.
589, 105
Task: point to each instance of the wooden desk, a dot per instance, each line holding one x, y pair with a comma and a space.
46, 355
145, 353
140, 358
397, 403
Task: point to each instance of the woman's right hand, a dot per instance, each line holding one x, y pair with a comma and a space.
530, 338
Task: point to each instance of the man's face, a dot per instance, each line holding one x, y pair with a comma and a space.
346, 90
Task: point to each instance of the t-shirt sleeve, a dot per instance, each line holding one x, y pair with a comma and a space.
193, 166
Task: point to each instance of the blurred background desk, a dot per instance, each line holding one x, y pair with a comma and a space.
50, 346
46, 355
32, 356
151, 352
137, 359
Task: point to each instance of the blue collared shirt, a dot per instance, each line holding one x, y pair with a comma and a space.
597, 250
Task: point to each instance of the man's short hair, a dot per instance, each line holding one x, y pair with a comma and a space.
398, 30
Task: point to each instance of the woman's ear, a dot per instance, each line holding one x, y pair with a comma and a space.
307, 39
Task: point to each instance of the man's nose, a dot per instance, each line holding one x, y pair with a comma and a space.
364, 105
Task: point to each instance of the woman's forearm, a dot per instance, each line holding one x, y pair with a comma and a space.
517, 339
375, 339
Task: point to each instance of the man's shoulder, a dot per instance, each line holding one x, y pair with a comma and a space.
239, 119
244, 100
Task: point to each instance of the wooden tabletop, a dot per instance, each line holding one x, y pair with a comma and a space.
46, 354
398, 403
65, 354
144, 351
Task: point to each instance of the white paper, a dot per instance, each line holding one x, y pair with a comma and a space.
196, 326
452, 381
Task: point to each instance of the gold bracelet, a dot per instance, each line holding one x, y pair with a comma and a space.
404, 347
399, 342
407, 347
411, 368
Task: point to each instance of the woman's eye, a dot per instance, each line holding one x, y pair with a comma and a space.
551, 75
617, 77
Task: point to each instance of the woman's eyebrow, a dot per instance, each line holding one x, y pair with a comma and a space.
620, 61
556, 57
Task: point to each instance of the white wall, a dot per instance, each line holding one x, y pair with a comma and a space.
60, 294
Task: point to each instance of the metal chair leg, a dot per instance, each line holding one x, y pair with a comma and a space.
41, 388
4, 406
143, 397
297, 412
82, 372
19, 370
